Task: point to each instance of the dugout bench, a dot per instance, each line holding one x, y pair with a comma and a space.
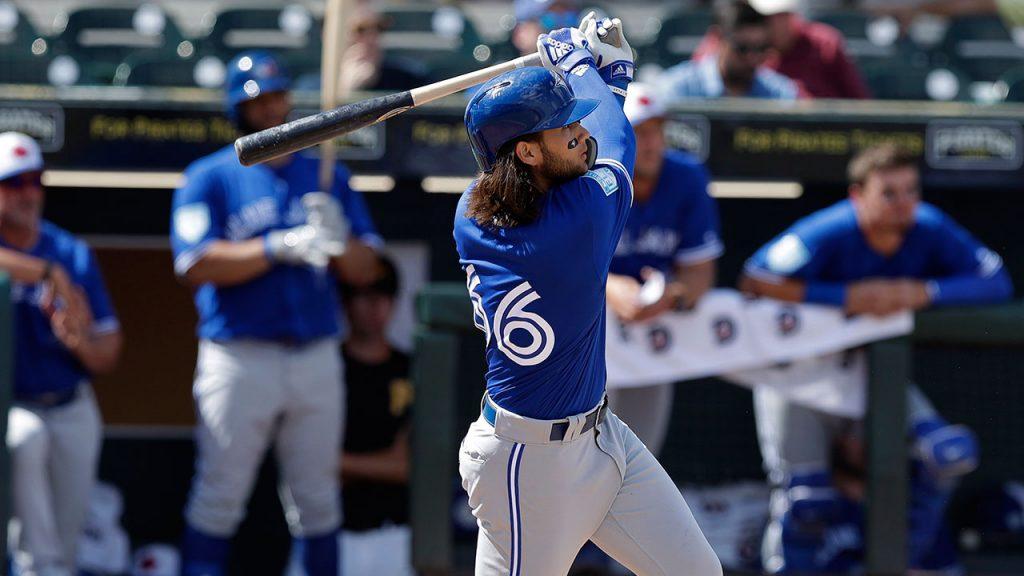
445, 324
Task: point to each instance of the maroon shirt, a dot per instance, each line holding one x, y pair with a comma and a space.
817, 61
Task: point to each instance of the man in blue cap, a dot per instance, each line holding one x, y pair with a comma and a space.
262, 247
535, 17
547, 466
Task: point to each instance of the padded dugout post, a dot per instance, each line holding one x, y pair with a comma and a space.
6, 382
885, 428
443, 313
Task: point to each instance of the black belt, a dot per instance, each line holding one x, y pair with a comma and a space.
558, 429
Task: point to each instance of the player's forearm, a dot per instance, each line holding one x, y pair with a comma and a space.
22, 267
696, 280
607, 124
226, 263
99, 354
964, 290
787, 290
358, 264
386, 466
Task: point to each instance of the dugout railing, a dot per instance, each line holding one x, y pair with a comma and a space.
445, 324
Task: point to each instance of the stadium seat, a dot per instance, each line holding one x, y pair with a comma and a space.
903, 80
94, 42
441, 38
680, 34
980, 45
24, 53
292, 33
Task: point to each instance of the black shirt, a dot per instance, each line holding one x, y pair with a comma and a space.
379, 403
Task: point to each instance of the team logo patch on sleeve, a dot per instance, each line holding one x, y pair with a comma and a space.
605, 178
787, 255
192, 221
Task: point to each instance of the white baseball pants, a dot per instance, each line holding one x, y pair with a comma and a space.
647, 410
54, 452
538, 501
249, 394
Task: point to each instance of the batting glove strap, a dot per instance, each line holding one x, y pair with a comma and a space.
618, 75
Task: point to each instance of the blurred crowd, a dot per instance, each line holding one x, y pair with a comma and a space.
962, 50
276, 254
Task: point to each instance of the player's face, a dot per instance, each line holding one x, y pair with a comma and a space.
21, 200
563, 152
744, 52
780, 29
888, 199
650, 147
267, 110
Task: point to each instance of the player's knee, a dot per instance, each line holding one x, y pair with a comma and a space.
315, 512
215, 512
946, 451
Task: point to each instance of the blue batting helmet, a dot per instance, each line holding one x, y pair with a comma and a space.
518, 103
251, 74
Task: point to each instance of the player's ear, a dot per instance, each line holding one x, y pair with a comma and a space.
528, 152
855, 190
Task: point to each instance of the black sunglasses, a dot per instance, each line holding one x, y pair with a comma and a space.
744, 48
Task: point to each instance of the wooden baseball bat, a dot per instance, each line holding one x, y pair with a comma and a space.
305, 132
335, 41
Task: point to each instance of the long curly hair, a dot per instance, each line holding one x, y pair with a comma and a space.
508, 195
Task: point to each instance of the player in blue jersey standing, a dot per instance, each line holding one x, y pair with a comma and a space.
262, 248
65, 332
666, 257
880, 251
547, 466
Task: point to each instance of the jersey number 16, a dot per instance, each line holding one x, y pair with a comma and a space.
510, 317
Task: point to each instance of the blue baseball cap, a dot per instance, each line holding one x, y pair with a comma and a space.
534, 9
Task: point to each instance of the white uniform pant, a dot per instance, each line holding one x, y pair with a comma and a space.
538, 501
249, 394
54, 452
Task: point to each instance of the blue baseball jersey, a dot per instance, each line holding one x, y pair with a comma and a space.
702, 79
678, 224
828, 249
538, 290
41, 363
223, 200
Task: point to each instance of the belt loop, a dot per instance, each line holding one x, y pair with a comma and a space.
575, 427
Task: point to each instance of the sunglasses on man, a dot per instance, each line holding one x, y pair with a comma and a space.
745, 48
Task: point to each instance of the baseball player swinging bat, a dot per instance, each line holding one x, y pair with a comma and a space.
305, 132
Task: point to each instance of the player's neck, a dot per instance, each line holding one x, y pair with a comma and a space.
20, 237
884, 241
368, 349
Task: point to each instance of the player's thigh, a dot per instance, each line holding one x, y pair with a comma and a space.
536, 504
649, 527
647, 410
238, 394
791, 435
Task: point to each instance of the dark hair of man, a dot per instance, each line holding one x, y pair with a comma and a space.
731, 15
507, 196
385, 284
877, 158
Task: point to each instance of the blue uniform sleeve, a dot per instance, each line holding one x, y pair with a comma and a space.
87, 275
799, 253
699, 239
197, 218
970, 273
616, 143
355, 209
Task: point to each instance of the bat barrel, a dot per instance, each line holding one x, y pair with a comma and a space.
311, 130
